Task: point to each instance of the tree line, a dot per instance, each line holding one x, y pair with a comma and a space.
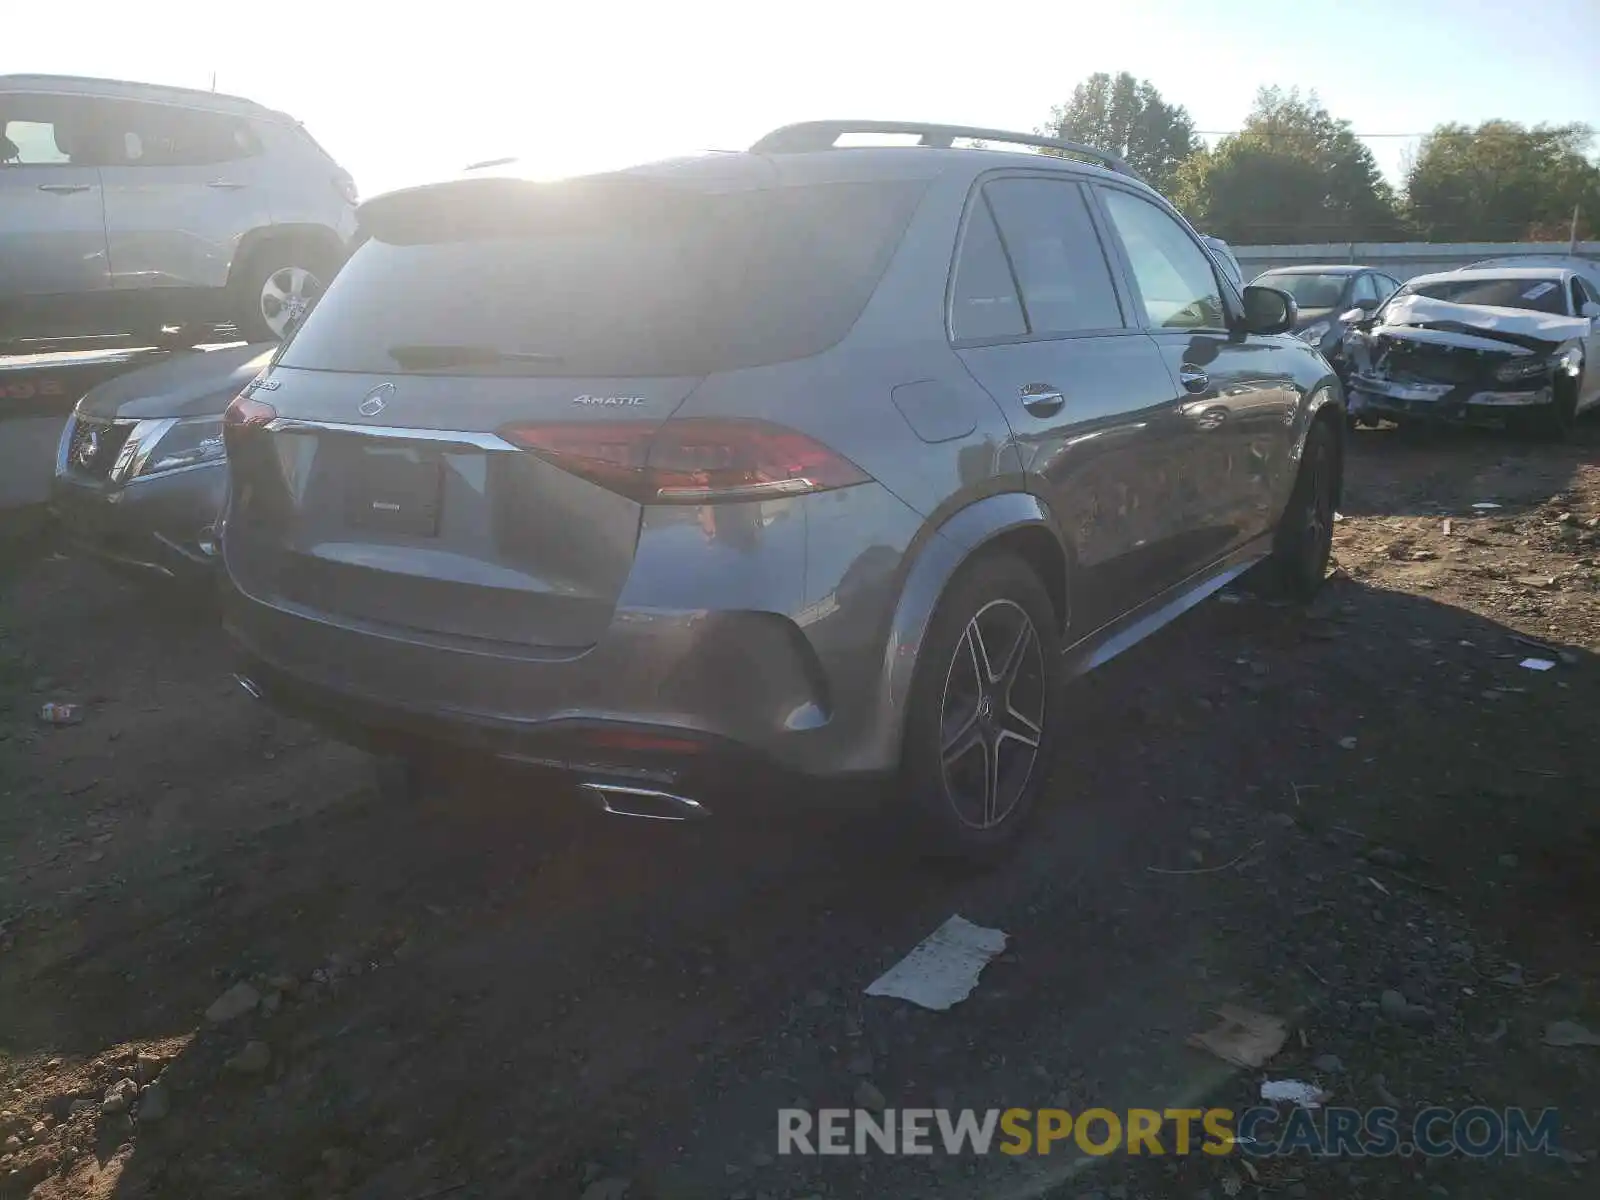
1294, 174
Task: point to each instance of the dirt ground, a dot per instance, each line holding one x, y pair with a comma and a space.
496, 993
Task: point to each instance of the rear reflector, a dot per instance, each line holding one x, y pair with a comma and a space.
696, 460
245, 413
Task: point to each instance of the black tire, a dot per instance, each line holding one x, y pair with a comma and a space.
271, 262
1000, 596
1304, 541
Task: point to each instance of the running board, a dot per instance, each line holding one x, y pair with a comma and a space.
1105, 643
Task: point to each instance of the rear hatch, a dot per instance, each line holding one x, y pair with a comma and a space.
455, 442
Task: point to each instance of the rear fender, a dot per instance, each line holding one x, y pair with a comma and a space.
323, 241
966, 533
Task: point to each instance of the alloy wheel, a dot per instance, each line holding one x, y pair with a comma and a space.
992, 713
286, 295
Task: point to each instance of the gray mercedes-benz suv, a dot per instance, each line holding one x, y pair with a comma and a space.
843, 459
132, 208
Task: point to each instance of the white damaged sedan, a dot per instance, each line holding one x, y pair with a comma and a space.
1492, 346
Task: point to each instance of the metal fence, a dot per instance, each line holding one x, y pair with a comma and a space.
1401, 259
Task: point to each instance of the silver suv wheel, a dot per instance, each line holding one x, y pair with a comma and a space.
285, 296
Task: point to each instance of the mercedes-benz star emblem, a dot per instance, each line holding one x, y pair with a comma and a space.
376, 400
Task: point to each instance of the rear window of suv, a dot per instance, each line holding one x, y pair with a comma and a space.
632, 284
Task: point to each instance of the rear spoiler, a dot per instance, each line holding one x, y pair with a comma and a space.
484, 207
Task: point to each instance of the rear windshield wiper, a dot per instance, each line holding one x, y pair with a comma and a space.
441, 356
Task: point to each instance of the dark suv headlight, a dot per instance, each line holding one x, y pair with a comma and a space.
170, 444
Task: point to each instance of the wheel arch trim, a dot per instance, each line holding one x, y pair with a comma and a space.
323, 238
966, 533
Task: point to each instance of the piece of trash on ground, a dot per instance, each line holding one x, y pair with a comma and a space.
1293, 1091
1349, 743
1244, 1038
1569, 1033
57, 713
943, 968
1485, 505
1536, 664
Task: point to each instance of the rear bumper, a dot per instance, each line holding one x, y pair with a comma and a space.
663, 695
154, 527
599, 749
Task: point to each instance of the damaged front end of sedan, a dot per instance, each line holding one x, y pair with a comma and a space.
1426, 359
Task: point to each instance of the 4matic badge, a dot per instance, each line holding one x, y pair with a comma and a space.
609, 401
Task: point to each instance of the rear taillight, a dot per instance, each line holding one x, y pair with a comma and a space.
245, 413
346, 187
696, 460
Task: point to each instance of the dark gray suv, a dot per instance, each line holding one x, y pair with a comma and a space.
841, 459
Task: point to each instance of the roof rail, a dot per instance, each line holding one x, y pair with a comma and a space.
129, 88
824, 135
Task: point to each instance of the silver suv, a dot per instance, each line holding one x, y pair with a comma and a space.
840, 458
132, 208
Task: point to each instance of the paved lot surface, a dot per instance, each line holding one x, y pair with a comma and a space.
496, 994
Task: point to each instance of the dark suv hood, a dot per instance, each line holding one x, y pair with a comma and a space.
192, 383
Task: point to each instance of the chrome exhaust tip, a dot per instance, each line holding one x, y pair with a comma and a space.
646, 804
250, 686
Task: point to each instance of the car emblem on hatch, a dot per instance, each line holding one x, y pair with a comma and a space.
609, 401
376, 400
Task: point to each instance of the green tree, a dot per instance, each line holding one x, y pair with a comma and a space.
1293, 174
1128, 118
1503, 182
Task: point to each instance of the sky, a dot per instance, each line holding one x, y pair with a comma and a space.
404, 93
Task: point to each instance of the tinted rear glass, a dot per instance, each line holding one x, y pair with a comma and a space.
679, 287
1536, 295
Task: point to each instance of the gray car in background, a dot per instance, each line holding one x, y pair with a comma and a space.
138, 209
839, 459
1324, 293
141, 471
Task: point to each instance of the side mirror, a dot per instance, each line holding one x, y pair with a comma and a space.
1269, 310
1354, 317
1591, 310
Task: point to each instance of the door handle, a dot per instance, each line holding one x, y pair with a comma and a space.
1042, 399
64, 189
225, 185
1193, 378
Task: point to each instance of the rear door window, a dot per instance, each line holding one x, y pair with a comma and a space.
164, 135
1055, 252
631, 282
